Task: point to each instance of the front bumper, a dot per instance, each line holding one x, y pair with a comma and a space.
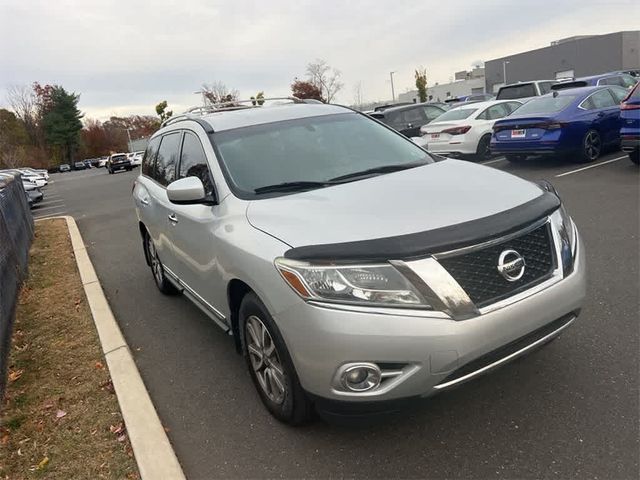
431, 349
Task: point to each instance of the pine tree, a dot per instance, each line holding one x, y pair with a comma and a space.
62, 122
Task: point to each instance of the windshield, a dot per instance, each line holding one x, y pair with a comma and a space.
455, 114
314, 149
549, 104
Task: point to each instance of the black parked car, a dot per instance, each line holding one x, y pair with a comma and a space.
79, 166
408, 119
119, 161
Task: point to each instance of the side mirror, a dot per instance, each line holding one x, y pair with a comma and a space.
187, 191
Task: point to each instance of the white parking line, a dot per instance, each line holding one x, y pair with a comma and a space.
571, 172
39, 209
495, 160
47, 201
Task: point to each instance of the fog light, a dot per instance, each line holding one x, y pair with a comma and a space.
361, 377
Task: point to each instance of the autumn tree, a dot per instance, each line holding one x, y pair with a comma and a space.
326, 78
303, 89
13, 140
61, 120
421, 83
163, 113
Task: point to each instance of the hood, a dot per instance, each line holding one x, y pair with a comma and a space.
433, 196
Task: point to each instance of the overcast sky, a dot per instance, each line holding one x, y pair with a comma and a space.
123, 57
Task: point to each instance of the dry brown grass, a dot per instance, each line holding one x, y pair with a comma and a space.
60, 418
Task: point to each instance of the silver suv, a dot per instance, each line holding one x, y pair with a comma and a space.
353, 270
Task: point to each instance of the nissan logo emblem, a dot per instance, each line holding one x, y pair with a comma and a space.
511, 265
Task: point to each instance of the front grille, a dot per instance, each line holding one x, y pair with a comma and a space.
477, 271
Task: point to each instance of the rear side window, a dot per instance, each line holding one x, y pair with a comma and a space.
193, 162
517, 91
618, 93
494, 112
165, 170
149, 158
545, 87
432, 112
600, 99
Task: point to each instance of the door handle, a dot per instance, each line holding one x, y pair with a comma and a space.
144, 201
600, 114
173, 218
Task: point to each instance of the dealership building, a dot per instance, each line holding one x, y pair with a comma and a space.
570, 57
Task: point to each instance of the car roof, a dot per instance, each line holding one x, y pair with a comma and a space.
410, 106
245, 117
485, 104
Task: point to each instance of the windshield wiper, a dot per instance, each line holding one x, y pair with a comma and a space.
291, 186
376, 170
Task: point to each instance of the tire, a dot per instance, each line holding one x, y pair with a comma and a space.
634, 156
516, 158
110, 171
483, 151
273, 373
157, 270
590, 148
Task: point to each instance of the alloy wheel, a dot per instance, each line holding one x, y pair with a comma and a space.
592, 145
156, 266
265, 360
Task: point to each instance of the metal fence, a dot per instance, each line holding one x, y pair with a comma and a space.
16, 234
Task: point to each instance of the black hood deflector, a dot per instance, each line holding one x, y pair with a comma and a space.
422, 244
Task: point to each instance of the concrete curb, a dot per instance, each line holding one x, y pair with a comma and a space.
153, 452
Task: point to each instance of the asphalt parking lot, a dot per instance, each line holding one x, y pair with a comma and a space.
569, 410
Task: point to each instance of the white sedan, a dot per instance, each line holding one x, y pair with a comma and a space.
466, 130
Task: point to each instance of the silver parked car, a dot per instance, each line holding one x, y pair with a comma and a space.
352, 269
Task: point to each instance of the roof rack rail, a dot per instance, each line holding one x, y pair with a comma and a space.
227, 106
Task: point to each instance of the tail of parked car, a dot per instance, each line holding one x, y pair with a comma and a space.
630, 124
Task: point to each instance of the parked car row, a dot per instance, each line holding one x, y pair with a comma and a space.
33, 180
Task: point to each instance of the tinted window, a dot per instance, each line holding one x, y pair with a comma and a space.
618, 93
310, 149
600, 99
149, 158
432, 112
545, 87
414, 116
517, 91
118, 158
546, 104
456, 114
193, 162
494, 112
165, 170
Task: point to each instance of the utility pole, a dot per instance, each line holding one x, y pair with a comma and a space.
393, 93
504, 71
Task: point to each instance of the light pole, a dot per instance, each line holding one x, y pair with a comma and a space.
393, 93
504, 71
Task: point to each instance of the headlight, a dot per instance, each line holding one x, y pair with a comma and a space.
380, 285
568, 238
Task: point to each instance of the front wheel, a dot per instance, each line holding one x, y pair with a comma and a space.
591, 147
270, 364
163, 284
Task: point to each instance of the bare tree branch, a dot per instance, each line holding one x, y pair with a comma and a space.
324, 77
217, 92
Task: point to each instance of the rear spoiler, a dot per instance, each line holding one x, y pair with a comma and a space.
571, 84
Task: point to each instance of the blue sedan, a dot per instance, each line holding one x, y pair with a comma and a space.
579, 122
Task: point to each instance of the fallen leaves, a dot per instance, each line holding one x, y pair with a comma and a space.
60, 414
43, 463
120, 431
15, 375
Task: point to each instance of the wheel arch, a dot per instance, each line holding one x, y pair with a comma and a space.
143, 232
236, 290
